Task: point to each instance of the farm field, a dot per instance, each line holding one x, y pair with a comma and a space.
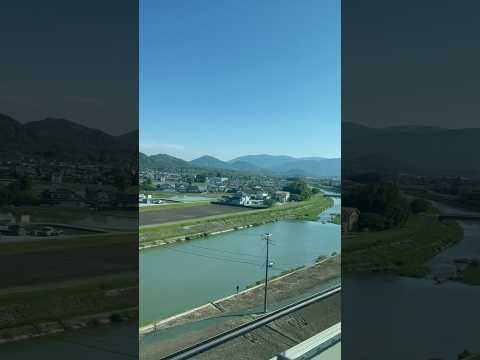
178, 212
40, 262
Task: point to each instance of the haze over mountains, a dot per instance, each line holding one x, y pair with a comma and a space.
421, 150
260, 164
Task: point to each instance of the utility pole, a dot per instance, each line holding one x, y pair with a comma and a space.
266, 237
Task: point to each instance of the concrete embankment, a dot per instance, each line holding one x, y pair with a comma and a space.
280, 289
262, 343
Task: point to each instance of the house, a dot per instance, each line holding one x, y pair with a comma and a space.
350, 217
261, 196
239, 198
282, 196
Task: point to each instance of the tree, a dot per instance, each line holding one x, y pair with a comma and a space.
300, 188
295, 197
383, 199
200, 178
420, 205
269, 202
315, 190
372, 221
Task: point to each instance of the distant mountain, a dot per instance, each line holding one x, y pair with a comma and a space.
277, 165
12, 132
288, 165
130, 138
316, 167
263, 160
246, 166
162, 161
422, 150
65, 133
210, 162
61, 139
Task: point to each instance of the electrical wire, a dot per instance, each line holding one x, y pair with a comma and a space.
232, 260
225, 251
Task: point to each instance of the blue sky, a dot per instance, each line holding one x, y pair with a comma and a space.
239, 77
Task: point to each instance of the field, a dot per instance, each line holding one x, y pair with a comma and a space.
56, 279
39, 262
176, 212
202, 226
402, 250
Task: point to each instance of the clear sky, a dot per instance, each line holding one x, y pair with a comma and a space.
232, 78
75, 60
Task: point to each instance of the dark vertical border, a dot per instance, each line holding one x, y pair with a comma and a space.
410, 180
69, 179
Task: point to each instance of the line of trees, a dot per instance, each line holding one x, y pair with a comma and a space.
381, 206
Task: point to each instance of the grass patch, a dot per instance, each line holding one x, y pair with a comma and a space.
90, 296
402, 250
336, 219
66, 243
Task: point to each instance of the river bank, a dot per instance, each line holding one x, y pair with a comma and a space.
245, 302
168, 233
47, 328
425, 310
402, 251
38, 310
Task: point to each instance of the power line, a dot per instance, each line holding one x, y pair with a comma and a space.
225, 251
241, 261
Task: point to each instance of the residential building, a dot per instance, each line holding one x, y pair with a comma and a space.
282, 196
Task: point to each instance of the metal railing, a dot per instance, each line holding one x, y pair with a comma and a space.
217, 340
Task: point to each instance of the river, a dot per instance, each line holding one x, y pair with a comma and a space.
172, 281
185, 275
403, 318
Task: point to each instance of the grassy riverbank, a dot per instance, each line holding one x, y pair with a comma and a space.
190, 229
401, 251
41, 310
336, 219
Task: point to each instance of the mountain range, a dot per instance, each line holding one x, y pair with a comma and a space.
419, 150
259, 164
61, 138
